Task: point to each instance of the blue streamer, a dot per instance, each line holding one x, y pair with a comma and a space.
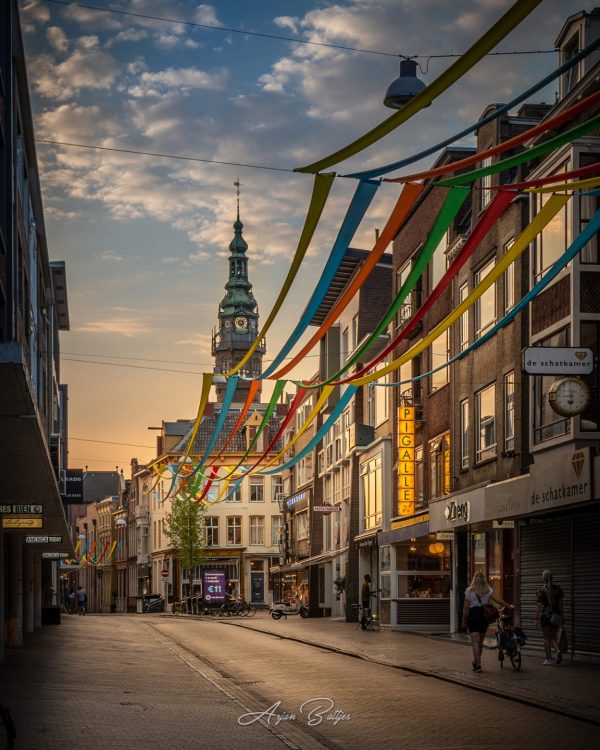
576, 246
371, 173
327, 425
360, 202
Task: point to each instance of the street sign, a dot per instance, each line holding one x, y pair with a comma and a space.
43, 539
19, 510
22, 523
556, 360
164, 573
326, 508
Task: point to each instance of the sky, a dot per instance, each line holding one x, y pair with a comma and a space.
145, 238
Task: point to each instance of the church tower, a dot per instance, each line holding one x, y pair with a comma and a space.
238, 319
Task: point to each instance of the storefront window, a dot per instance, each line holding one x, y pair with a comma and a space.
423, 568
384, 572
495, 561
478, 556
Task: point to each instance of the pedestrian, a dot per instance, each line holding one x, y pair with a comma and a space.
477, 596
365, 599
71, 601
549, 614
81, 600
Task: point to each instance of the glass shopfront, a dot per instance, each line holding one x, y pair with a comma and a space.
423, 568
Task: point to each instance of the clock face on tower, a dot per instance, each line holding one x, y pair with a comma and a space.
241, 323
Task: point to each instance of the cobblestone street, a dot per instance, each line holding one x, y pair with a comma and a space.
176, 682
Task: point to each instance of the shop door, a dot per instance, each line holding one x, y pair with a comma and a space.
257, 587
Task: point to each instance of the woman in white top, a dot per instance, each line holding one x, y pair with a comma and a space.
477, 595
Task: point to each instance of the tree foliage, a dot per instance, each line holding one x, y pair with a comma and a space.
185, 529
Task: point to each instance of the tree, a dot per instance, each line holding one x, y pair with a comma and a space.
185, 529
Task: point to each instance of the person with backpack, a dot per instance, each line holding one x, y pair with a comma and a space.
549, 615
81, 600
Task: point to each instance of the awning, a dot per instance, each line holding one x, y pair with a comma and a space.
406, 529
324, 556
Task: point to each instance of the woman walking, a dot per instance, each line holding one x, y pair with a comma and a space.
549, 614
477, 595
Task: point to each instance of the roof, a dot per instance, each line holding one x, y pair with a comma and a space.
350, 262
238, 444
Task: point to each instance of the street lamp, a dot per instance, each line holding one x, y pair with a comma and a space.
404, 88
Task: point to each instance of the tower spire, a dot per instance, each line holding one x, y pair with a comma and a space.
237, 184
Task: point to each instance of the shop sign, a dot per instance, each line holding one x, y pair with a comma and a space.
445, 536
214, 585
22, 523
406, 460
457, 511
503, 524
43, 539
294, 499
326, 508
73, 486
555, 360
366, 543
68, 565
556, 479
55, 555
19, 510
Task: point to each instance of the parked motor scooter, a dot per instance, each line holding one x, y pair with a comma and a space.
283, 609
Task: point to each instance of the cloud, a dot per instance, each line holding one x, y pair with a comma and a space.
206, 14
123, 326
182, 79
111, 256
200, 342
33, 14
57, 38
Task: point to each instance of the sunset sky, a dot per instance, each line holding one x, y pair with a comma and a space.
145, 238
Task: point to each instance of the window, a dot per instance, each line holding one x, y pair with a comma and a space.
257, 489
509, 281
345, 343
486, 183
236, 497
301, 525
463, 323
440, 354
257, 529
438, 263
485, 306
439, 464
589, 337
276, 529
485, 401
509, 411
276, 488
570, 78
371, 404
354, 332
419, 479
406, 309
212, 531
588, 205
547, 424
464, 434
234, 529
371, 480
553, 240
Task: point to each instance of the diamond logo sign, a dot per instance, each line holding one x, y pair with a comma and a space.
577, 462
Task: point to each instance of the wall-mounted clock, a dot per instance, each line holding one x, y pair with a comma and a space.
569, 396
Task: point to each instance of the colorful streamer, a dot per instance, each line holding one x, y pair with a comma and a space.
403, 206
496, 114
361, 200
504, 146
321, 188
546, 213
524, 156
488, 41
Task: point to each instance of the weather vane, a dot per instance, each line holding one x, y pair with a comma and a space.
237, 184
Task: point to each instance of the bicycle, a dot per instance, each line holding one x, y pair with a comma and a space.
7, 729
509, 641
366, 619
180, 607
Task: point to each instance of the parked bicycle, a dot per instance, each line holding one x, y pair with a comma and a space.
238, 607
7, 729
367, 620
509, 640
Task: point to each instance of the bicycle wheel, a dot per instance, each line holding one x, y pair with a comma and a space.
515, 659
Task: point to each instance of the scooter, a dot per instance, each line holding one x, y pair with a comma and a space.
283, 609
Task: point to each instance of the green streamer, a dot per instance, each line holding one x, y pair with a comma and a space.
452, 204
512, 161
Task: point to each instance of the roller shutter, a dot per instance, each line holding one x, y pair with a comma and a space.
586, 583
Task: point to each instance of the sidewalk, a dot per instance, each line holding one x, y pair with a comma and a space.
572, 689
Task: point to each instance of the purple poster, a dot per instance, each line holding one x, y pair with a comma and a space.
214, 585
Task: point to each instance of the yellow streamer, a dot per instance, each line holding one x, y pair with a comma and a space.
577, 185
206, 385
552, 207
321, 188
488, 41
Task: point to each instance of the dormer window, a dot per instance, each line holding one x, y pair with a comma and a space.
571, 48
